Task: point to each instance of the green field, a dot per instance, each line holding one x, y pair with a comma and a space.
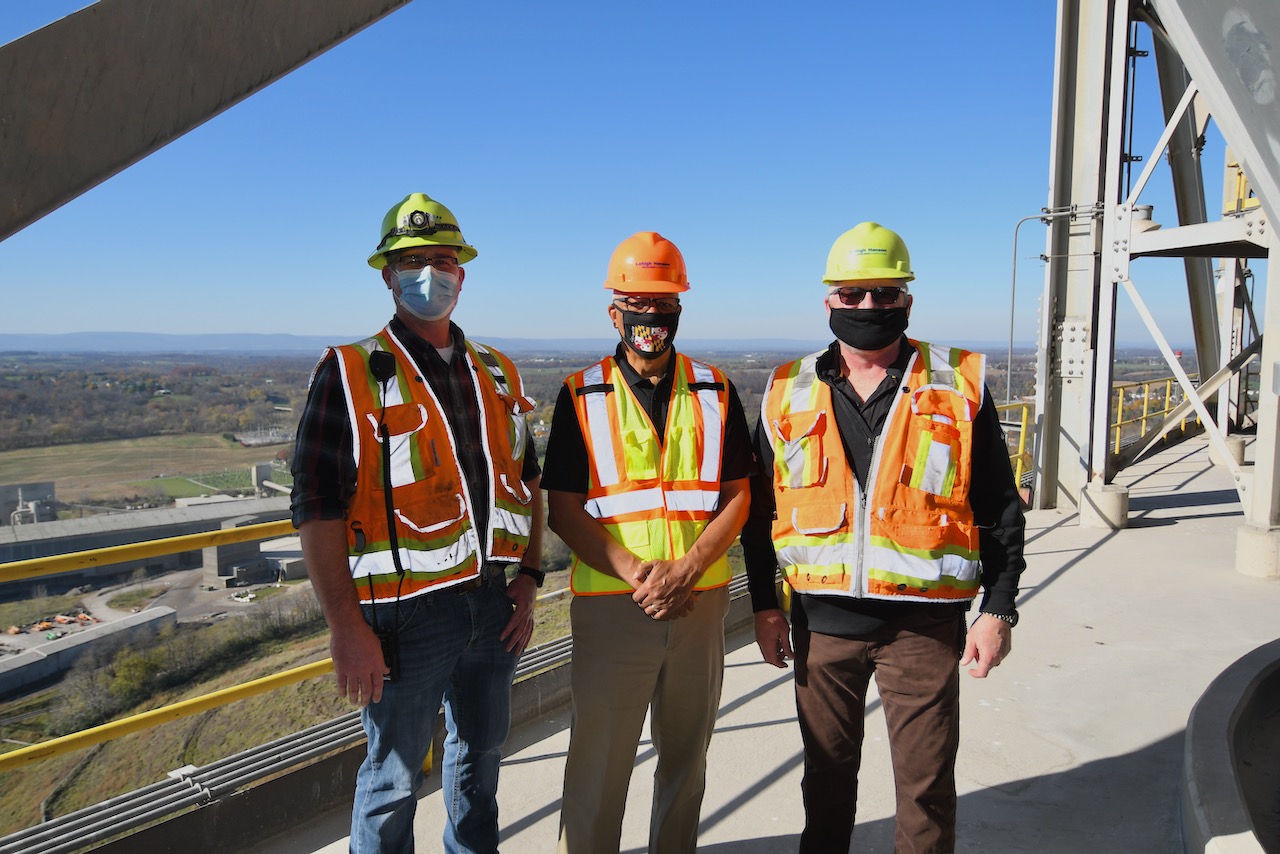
156, 466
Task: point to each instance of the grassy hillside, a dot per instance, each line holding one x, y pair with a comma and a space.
89, 776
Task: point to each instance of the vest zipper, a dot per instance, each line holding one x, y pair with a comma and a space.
873, 475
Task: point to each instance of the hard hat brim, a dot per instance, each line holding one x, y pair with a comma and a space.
865, 275
378, 259
656, 287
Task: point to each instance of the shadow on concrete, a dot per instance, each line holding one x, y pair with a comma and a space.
1165, 500
1070, 812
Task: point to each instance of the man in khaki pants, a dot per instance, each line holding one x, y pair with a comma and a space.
647, 473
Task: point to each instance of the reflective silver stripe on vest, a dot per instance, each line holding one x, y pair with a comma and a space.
711, 425
883, 559
690, 500
635, 501
826, 555
415, 560
937, 464
802, 387
598, 424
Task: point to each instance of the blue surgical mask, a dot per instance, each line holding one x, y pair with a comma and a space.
428, 294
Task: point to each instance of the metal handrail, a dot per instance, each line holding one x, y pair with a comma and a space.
36, 567
1018, 460
24, 756
1170, 400
20, 570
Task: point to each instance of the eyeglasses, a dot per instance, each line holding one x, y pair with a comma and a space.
665, 305
417, 262
852, 297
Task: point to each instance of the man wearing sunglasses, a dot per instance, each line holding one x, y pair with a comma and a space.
416, 494
885, 495
647, 472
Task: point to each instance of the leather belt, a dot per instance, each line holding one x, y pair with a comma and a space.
490, 573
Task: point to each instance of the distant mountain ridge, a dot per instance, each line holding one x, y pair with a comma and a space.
250, 342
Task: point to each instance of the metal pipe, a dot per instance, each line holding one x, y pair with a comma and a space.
1044, 216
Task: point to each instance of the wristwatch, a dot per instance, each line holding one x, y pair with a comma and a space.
537, 575
1011, 619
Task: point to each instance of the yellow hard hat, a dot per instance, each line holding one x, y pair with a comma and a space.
419, 220
646, 262
868, 251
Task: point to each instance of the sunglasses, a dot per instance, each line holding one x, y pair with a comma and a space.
852, 297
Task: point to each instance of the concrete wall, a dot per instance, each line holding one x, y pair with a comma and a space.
1230, 797
49, 659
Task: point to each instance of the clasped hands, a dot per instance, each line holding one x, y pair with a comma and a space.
664, 588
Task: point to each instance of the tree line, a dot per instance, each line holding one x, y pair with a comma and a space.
59, 400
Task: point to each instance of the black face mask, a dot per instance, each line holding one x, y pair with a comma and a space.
868, 328
649, 335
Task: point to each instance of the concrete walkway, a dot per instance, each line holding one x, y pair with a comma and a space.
1073, 745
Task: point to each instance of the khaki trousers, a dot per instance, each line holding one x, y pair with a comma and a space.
624, 665
915, 664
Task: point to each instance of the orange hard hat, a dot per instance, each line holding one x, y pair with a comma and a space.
647, 263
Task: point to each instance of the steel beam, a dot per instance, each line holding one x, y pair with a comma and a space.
1068, 311
95, 92
1188, 195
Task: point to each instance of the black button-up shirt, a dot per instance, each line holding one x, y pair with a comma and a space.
993, 496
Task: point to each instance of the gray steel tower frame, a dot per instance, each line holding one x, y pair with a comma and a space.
1213, 60
97, 91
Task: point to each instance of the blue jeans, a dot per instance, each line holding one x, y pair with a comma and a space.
450, 651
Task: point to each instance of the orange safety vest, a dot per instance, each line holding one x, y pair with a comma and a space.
437, 540
654, 497
915, 539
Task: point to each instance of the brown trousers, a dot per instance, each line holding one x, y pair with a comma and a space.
914, 661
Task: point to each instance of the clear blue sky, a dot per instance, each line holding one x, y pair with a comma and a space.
749, 133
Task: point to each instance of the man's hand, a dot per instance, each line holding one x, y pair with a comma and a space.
664, 588
773, 636
358, 665
987, 644
522, 591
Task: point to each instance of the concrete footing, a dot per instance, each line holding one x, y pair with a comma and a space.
1104, 506
1258, 551
1235, 447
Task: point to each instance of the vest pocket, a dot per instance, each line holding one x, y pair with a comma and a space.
914, 529
520, 492
933, 441
818, 519
515, 408
802, 461
933, 451
411, 451
433, 516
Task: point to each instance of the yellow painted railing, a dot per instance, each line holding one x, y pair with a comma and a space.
1168, 394
96, 735
1018, 460
21, 570
34, 568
